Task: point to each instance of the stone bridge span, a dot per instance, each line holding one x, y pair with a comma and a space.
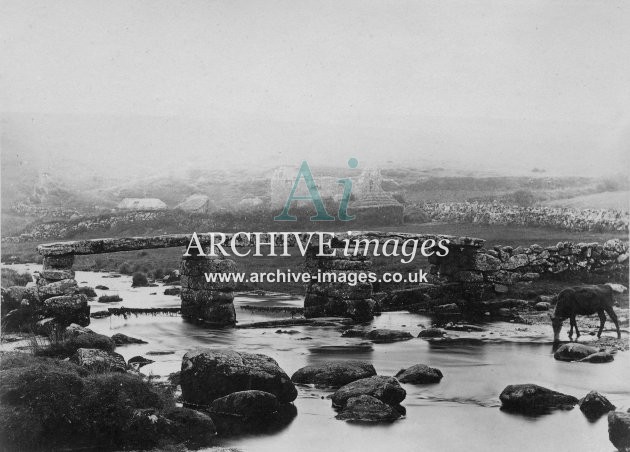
212, 302
463, 279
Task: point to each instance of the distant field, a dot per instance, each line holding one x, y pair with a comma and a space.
604, 200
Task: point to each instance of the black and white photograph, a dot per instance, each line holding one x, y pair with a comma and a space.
315, 225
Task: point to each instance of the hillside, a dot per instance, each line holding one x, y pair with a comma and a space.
606, 200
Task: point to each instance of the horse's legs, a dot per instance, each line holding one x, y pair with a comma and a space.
602, 320
577, 332
611, 312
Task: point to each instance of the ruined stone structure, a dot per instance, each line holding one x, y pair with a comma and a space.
373, 204
283, 179
370, 203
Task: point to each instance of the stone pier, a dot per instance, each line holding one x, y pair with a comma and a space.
208, 301
212, 301
330, 299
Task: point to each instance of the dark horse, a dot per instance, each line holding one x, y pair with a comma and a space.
583, 300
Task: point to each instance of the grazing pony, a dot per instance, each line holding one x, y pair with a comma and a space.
583, 300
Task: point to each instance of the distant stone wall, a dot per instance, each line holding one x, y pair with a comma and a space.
491, 271
608, 220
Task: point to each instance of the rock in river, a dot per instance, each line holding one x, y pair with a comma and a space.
385, 335
594, 405
432, 332
246, 404
619, 430
139, 361
208, 374
99, 360
531, 398
368, 409
386, 389
334, 373
123, 339
599, 357
419, 373
573, 352
68, 309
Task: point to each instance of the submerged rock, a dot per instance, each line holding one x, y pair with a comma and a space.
246, 404
385, 335
123, 339
208, 374
100, 287
179, 424
139, 361
367, 409
87, 291
334, 373
172, 291
465, 327
619, 430
386, 389
99, 360
190, 425
594, 405
432, 332
109, 299
599, 357
573, 352
419, 374
353, 332
526, 398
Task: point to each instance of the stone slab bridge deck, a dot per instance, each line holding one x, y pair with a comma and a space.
113, 245
462, 280
212, 302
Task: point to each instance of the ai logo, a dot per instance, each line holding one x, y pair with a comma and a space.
315, 197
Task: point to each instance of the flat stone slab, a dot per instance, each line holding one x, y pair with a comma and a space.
112, 245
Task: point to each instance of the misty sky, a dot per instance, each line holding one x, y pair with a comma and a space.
496, 84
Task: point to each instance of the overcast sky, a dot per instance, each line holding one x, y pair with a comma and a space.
502, 84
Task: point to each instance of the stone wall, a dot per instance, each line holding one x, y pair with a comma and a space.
608, 220
209, 302
485, 272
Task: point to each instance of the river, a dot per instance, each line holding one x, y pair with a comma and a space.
461, 413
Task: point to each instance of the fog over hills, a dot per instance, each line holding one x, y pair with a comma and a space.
111, 95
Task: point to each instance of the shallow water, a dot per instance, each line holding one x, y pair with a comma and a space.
461, 413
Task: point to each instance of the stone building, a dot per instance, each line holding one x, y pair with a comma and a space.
369, 202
